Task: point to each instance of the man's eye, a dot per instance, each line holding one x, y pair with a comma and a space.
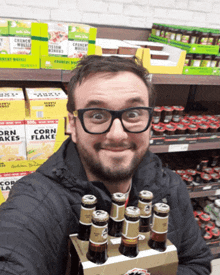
133, 114
98, 116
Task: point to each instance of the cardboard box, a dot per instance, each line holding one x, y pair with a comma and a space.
4, 39
30, 58
7, 180
40, 138
58, 62
12, 103
12, 140
45, 103
154, 262
20, 165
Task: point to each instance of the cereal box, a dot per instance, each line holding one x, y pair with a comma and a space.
12, 103
12, 140
40, 138
57, 39
45, 103
4, 39
7, 180
78, 37
20, 36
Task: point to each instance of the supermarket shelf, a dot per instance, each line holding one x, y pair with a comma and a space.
180, 79
191, 147
204, 193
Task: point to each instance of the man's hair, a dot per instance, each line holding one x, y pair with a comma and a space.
93, 64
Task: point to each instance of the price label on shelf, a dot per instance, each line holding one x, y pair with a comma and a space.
178, 147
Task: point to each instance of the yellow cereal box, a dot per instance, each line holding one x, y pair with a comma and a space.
12, 140
40, 138
45, 103
12, 103
7, 180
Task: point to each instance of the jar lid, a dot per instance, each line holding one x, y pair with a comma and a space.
170, 127
214, 125
159, 128
205, 176
89, 199
178, 108
196, 120
132, 211
208, 235
215, 232
204, 217
217, 169
180, 172
147, 195
119, 197
203, 126
210, 225
100, 216
187, 178
168, 108
217, 203
181, 126
192, 127
215, 176
158, 108
162, 208
191, 172
208, 170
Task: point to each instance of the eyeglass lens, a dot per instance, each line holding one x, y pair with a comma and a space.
98, 121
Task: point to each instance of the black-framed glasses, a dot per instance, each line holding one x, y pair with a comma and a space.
99, 120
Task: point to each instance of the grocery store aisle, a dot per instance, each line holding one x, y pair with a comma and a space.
215, 267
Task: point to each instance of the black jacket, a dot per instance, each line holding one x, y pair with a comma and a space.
43, 209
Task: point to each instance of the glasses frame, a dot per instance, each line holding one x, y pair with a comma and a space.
115, 114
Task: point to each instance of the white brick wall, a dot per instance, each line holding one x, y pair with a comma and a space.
128, 13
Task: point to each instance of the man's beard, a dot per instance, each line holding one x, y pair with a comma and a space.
114, 174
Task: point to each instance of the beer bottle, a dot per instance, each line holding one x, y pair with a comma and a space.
117, 214
88, 205
130, 232
145, 205
97, 251
158, 235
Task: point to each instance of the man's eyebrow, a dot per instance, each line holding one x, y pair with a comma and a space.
135, 100
93, 103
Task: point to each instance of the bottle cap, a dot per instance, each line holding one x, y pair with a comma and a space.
146, 195
132, 211
100, 216
162, 208
119, 197
89, 199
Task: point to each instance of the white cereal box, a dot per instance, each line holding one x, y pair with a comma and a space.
78, 38
12, 140
40, 138
20, 36
45, 103
57, 39
7, 180
12, 103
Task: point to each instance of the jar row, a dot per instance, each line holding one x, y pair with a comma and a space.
202, 60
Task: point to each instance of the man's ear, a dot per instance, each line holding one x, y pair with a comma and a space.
72, 126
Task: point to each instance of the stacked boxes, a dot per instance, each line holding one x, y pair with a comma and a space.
4, 39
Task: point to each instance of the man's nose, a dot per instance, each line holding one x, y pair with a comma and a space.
116, 131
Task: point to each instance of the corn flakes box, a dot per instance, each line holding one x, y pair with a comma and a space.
20, 36
4, 39
40, 138
78, 38
12, 140
12, 103
57, 39
45, 103
7, 180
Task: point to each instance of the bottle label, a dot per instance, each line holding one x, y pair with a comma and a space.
130, 229
167, 118
157, 32
117, 212
172, 36
193, 40
145, 208
156, 119
160, 224
98, 234
185, 38
86, 215
178, 37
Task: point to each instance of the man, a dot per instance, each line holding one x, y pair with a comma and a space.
108, 151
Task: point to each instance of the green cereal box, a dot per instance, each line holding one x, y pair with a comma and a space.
4, 39
78, 38
57, 39
20, 36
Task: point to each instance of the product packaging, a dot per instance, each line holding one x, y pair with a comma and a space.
12, 104
4, 39
45, 103
12, 140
